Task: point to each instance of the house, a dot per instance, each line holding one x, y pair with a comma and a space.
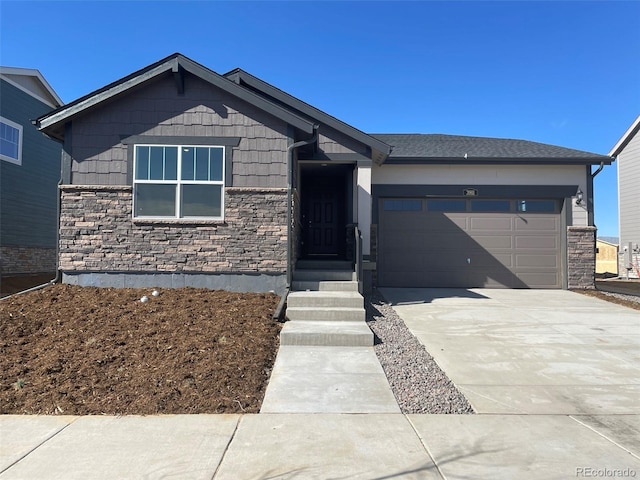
606, 257
627, 153
176, 175
29, 176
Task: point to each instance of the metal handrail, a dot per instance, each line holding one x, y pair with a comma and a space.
358, 254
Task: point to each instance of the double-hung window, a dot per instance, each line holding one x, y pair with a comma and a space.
178, 181
10, 141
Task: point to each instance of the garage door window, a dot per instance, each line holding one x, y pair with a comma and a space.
490, 206
402, 205
447, 205
536, 206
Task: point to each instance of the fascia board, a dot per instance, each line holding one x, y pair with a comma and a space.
497, 161
101, 95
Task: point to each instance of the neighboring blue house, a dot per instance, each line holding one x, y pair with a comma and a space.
29, 175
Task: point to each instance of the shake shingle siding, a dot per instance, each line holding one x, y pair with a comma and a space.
332, 141
100, 151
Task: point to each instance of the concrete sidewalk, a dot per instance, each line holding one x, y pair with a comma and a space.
320, 446
319, 379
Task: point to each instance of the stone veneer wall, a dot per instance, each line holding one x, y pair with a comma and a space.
581, 257
98, 234
22, 260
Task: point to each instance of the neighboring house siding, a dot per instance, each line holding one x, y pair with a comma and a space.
100, 157
629, 182
28, 192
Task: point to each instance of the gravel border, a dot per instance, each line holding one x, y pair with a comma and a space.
416, 380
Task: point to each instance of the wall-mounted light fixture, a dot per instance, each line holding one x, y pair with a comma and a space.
578, 196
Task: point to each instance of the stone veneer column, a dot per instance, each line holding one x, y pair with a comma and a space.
581, 257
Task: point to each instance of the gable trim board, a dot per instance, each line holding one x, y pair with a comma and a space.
264, 223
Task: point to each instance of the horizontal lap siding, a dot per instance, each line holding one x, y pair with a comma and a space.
629, 179
28, 192
99, 157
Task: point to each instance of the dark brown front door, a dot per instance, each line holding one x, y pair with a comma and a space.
321, 220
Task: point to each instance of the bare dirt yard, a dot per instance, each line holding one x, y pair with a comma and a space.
89, 351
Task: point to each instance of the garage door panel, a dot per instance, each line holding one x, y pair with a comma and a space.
540, 280
492, 224
493, 241
537, 242
469, 249
549, 224
445, 223
537, 261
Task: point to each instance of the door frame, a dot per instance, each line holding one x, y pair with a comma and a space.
340, 179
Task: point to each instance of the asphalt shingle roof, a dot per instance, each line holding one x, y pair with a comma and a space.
437, 146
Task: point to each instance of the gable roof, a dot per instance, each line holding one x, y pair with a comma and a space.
626, 138
32, 82
380, 150
459, 149
53, 123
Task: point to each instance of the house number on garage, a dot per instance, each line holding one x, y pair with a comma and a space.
470, 192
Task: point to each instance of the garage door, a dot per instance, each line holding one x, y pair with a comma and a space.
467, 243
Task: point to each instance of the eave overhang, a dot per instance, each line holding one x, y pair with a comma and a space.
498, 161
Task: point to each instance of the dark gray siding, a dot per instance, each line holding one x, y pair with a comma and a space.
28, 192
156, 109
332, 141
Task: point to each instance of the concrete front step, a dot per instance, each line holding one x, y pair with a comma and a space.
325, 286
325, 314
323, 275
324, 265
326, 333
325, 299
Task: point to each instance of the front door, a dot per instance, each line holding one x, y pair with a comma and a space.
321, 219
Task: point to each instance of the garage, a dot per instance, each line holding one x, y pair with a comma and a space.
470, 242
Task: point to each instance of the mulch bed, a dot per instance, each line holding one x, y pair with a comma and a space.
89, 351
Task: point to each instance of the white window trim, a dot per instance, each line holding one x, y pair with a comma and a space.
178, 182
6, 158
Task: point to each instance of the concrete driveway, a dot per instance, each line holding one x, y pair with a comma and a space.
529, 351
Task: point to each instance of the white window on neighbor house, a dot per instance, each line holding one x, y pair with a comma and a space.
10, 141
178, 181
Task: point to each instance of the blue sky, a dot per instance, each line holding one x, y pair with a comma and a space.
564, 73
